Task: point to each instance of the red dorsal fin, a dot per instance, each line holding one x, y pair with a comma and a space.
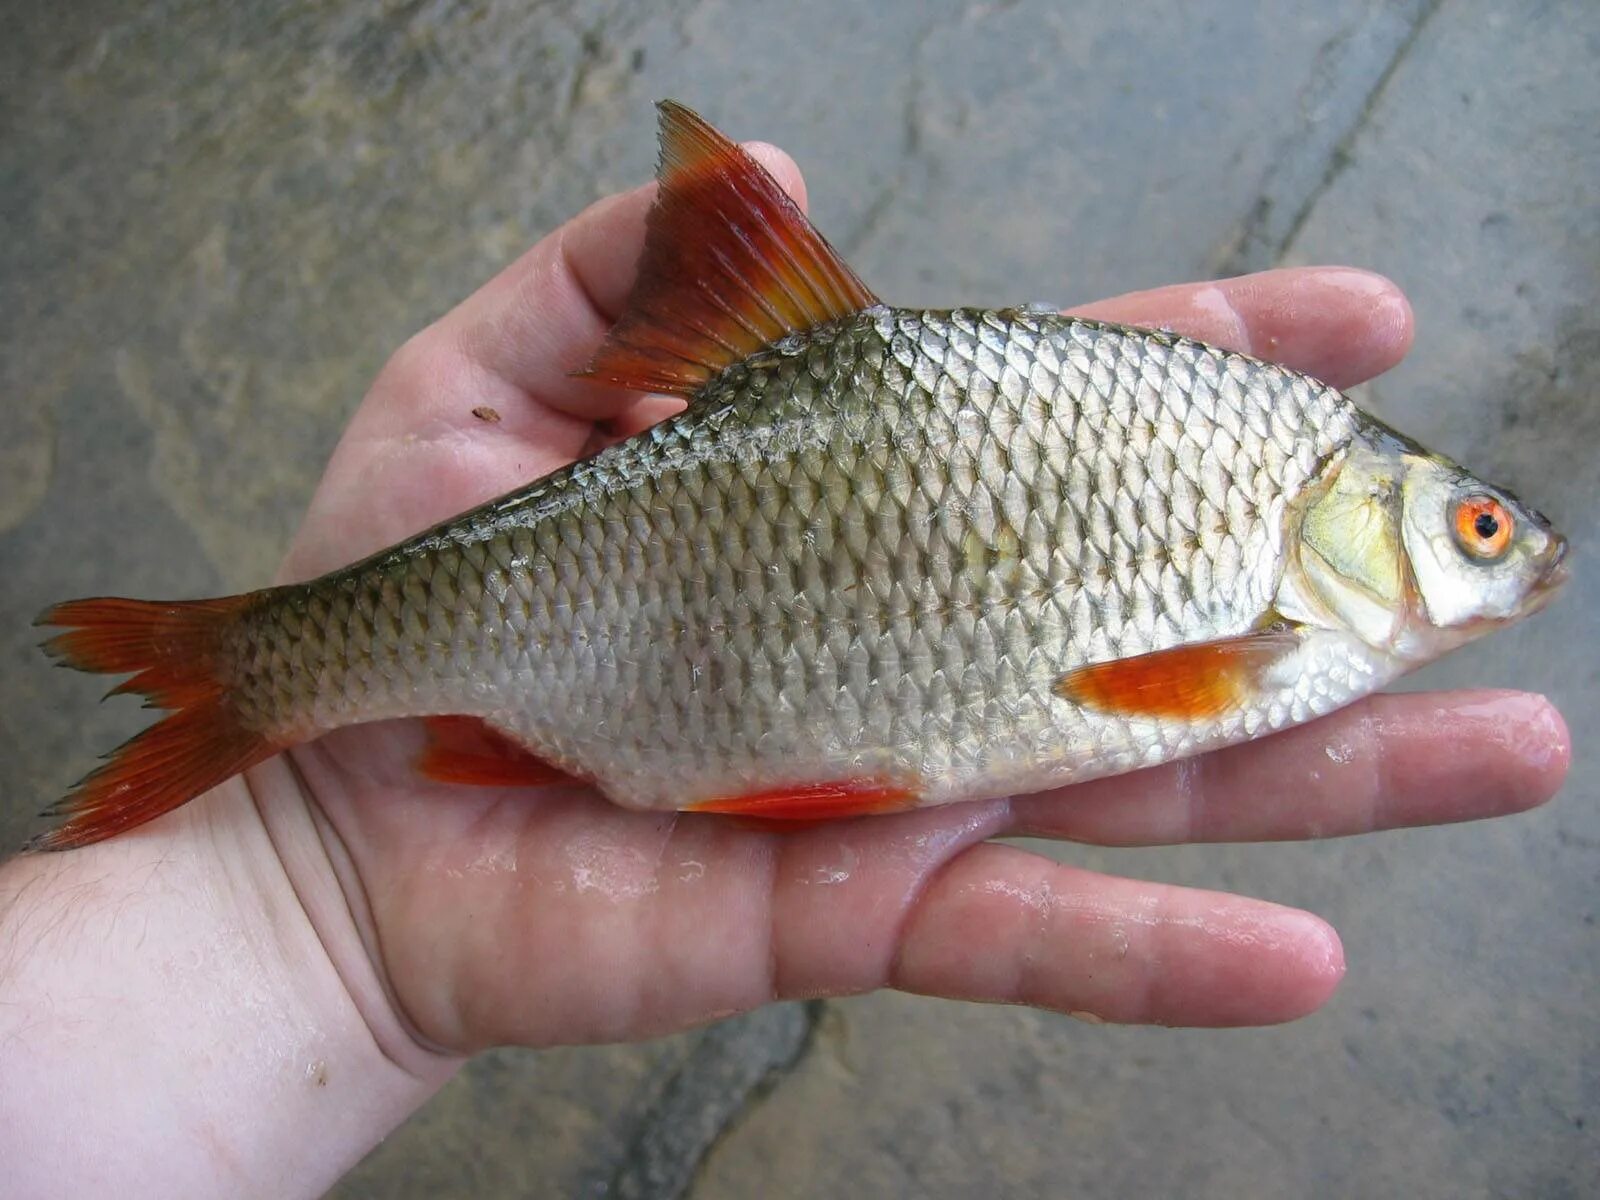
468, 750
730, 265
1184, 683
814, 802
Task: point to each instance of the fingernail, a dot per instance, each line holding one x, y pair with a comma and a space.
1520, 748
1388, 324
1538, 735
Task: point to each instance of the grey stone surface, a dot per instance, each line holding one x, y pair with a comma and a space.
629, 1122
216, 221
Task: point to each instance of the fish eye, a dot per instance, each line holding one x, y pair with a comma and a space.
1483, 527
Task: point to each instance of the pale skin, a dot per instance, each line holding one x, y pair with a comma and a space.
243, 997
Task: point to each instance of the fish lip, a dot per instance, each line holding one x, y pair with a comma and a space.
1552, 576
1555, 572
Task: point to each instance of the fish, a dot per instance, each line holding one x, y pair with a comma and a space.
884, 558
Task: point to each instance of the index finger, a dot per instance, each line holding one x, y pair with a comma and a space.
1339, 324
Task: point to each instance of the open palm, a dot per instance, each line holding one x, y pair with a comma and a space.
501, 915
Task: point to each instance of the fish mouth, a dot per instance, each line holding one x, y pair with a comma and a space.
1555, 570
1552, 575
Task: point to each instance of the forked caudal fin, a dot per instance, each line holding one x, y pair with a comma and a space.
173, 652
730, 265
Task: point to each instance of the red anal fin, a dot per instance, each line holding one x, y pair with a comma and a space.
1192, 683
814, 802
730, 265
174, 651
467, 750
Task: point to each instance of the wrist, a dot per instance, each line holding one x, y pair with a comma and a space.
190, 1010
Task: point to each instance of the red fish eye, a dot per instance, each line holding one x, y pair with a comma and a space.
1483, 526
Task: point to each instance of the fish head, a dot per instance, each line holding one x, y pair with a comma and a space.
1479, 557
1416, 555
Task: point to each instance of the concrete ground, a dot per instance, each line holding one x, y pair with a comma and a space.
216, 221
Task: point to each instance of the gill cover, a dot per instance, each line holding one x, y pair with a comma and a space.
1350, 552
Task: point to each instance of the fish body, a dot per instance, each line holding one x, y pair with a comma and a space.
872, 553
885, 557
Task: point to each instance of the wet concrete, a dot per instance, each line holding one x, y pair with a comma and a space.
216, 221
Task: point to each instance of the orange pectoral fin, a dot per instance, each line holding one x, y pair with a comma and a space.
813, 802
468, 750
1191, 683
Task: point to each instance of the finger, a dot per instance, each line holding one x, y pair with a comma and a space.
924, 903
1003, 925
650, 410
1339, 324
560, 918
542, 317
1388, 762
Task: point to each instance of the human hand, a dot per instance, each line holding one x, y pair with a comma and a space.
501, 915
294, 961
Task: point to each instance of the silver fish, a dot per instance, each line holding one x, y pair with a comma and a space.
885, 558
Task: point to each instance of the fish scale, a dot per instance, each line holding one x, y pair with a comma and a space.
883, 567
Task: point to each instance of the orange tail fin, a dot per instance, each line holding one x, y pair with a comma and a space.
173, 651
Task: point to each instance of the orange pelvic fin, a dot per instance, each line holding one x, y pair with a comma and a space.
730, 265
173, 651
469, 750
814, 802
1184, 683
